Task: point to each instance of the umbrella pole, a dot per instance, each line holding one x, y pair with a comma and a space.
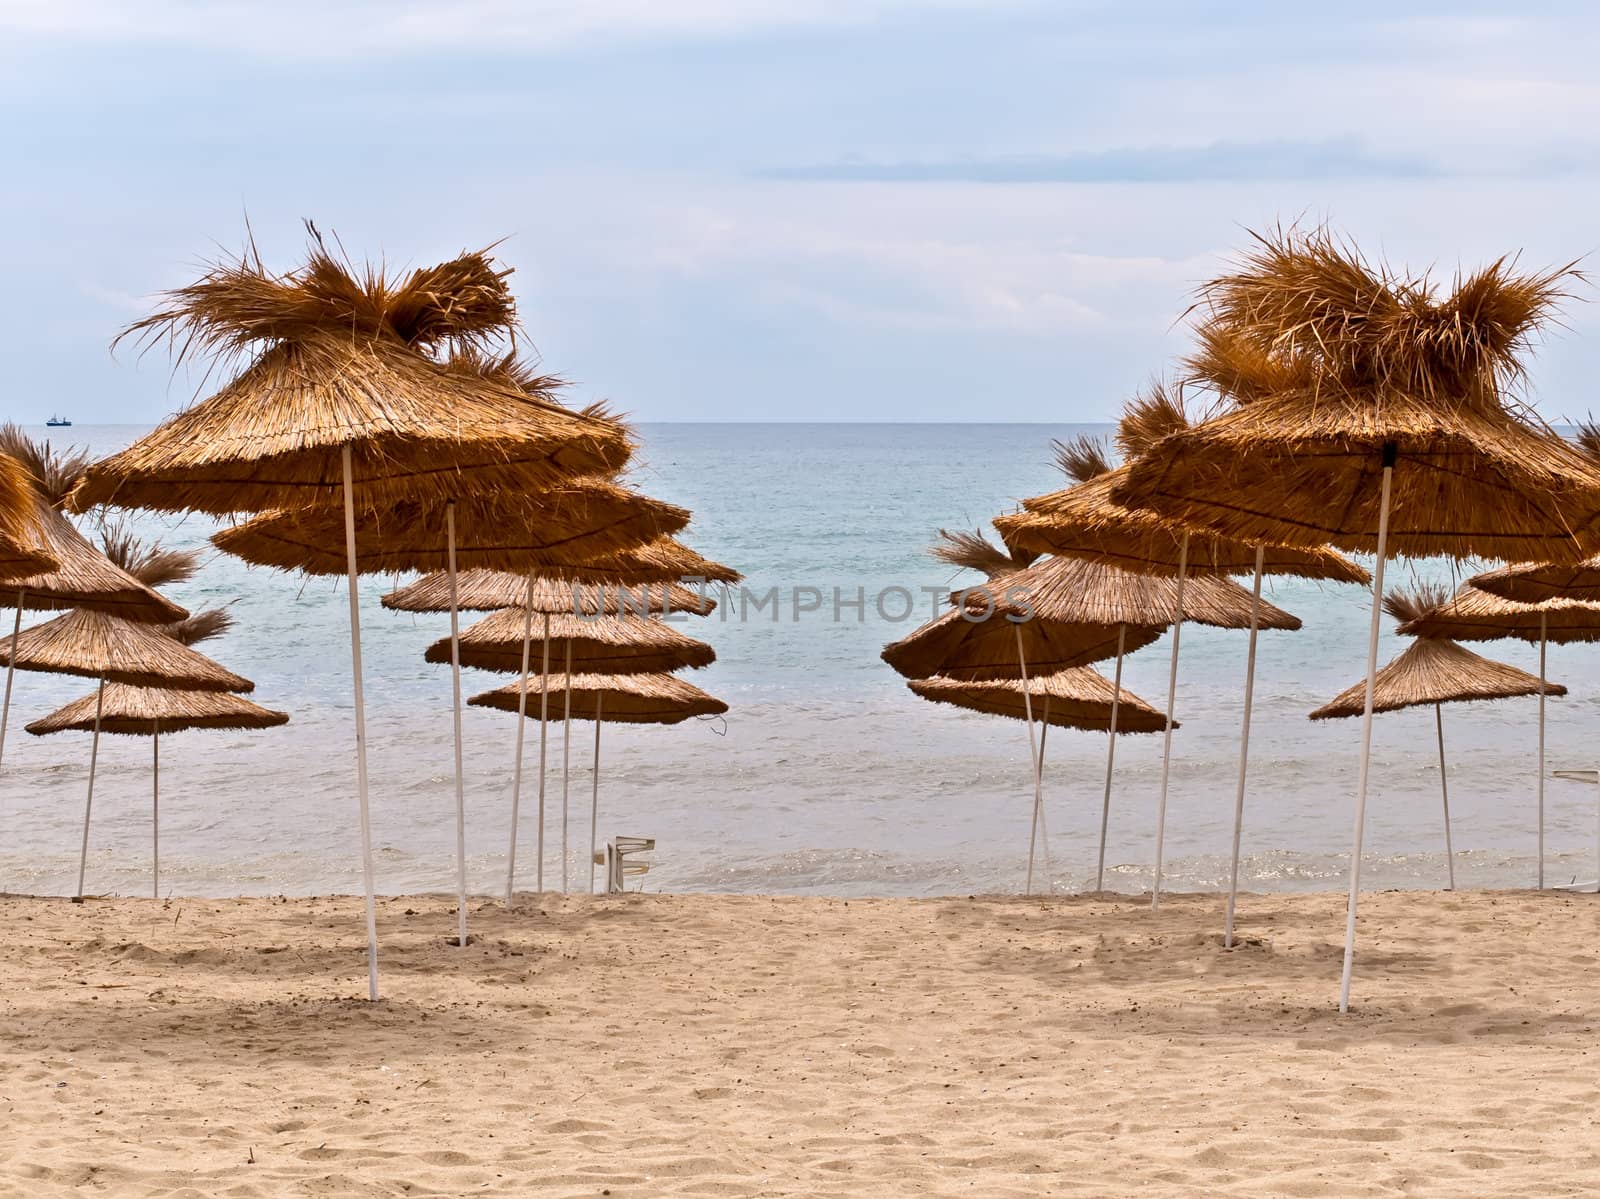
455, 712
1244, 746
1444, 791
11, 670
351, 567
88, 803
544, 729
594, 799
1366, 728
522, 719
1111, 758
1542, 620
1044, 826
155, 811
1033, 756
566, 763
1166, 741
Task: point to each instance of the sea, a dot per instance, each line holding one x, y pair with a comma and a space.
827, 776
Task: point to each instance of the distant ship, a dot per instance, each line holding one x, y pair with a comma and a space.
58, 422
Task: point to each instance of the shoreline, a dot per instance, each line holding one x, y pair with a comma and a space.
648, 1045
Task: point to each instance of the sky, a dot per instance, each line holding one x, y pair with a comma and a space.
782, 209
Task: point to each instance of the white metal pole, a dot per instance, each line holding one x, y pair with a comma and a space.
1111, 758
11, 670
1033, 755
1044, 825
1542, 620
522, 719
566, 763
88, 803
361, 724
1244, 746
1444, 791
1366, 730
594, 799
155, 811
544, 729
455, 712
1166, 740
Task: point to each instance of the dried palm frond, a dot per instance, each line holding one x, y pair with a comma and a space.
1148, 417
55, 472
150, 564
1309, 295
1417, 602
1081, 459
238, 306
974, 551
202, 626
509, 368
1588, 438
1241, 369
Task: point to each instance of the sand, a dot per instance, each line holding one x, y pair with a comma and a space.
711, 1045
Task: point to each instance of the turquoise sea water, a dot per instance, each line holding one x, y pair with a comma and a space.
828, 776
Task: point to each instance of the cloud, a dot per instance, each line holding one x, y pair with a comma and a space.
310, 29
1338, 158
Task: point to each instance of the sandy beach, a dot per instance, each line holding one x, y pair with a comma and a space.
715, 1045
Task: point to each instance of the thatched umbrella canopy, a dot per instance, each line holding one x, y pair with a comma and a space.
561, 525
21, 552
335, 368
959, 644
663, 560
1079, 698
1472, 614
598, 644
621, 699
491, 590
1076, 590
1372, 412
646, 698
1537, 582
149, 712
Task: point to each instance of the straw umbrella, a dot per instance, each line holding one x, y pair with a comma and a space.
1086, 520
1077, 698
1371, 413
338, 397
150, 711
1436, 671
622, 699
1474, 615
83, 576
591, 645
561, 524
490, 590
1068, 589
113, 649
